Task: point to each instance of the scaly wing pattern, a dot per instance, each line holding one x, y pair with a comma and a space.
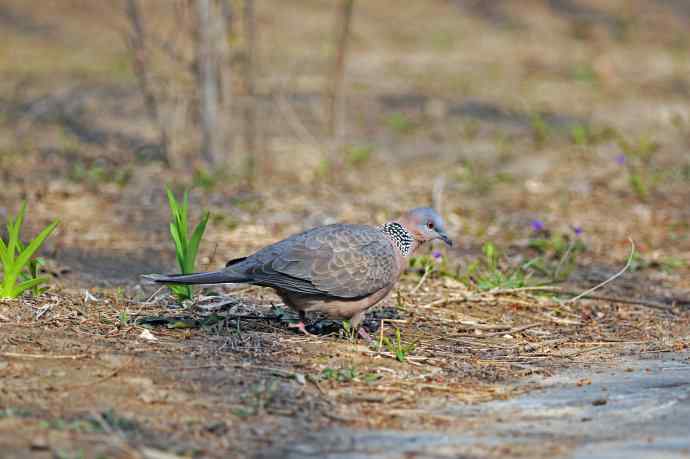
347, 261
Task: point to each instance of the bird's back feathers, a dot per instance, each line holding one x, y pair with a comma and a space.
341, 260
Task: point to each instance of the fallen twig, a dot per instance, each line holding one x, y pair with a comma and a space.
17, 355
41, 311
581, 351
503, 291
427, 270
148, 301
513, 330
610, 279
613, 299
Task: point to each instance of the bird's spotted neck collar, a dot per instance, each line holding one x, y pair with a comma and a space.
399, 236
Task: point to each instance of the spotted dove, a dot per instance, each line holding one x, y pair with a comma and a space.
341, 270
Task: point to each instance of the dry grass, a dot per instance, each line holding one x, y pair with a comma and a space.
457, 101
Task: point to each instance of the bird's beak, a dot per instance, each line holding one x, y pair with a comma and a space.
444, 237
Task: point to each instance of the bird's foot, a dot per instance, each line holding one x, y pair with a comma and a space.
301, 327
363, 333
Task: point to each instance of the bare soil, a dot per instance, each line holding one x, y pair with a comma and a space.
499, 113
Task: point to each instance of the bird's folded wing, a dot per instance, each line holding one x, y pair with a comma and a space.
347, 261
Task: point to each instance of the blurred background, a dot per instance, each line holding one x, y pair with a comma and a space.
509, 116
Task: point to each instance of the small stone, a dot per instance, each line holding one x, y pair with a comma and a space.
156, 395
40, 443
217, 428
115, 360
147, 335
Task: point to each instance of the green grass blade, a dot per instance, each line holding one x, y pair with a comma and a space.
19, 221
179, 248
6, 289
3, 252
172, 202
177, 238
8, 280
177, 212
193, 248
26, 285
15, 241
182, 292
184, 215
13, 235
186, 249
33, 246
178, 226
181, 229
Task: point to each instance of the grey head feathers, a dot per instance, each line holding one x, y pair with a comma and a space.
425, 224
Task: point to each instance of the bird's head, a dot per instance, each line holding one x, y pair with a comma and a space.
425, 225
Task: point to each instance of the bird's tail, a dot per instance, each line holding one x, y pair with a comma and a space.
215, 277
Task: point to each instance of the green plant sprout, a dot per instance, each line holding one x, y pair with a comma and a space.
358, 155
259, 397
541, 130
637, 158
487, 274
350, 331
20, 270
186, 248
339, 375
32, 272
400, 123
347, 375
557, 255
123, 318
397, 347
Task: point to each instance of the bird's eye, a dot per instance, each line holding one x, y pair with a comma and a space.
430, 225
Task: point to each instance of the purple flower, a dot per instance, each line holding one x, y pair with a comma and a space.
620, 159
537, 226
438, 256
577, 230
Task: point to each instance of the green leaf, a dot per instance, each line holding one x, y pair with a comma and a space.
182, 292
13, 227
181, 225
6, 290
193, 247
172, 202
3, 253
179, 248
27, 285
184, 216
16, 257
33, 246
186, 249
490, 254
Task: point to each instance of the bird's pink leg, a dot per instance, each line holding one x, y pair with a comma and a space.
363, 333
300, 325
356, 322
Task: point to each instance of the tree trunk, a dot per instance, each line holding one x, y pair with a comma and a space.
223, 23
211, 132
136, 42
335, 104
225, 27
249, 108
